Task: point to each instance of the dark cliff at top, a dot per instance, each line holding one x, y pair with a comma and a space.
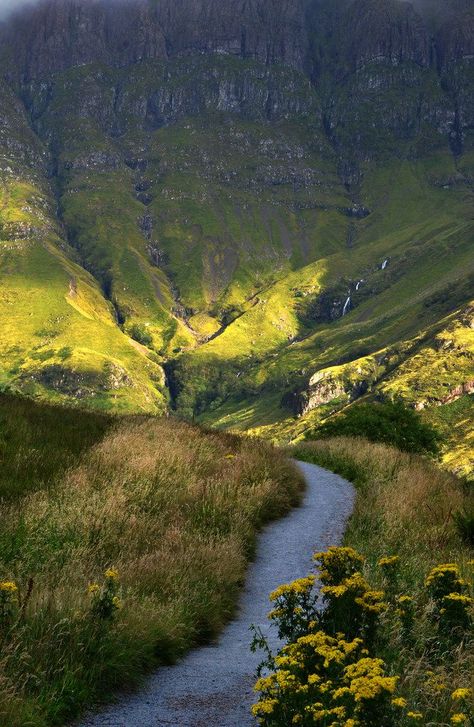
57, 34
54, 35
385, 71
388, 30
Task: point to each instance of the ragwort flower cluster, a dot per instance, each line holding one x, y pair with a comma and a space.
105, 600
8, 603
326, 676
453, 606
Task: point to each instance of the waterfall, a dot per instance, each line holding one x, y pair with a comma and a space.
384, 264
359, 284
346, 306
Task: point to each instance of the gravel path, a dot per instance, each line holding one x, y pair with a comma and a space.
212, 686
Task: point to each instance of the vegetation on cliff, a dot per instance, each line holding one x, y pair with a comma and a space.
387, 423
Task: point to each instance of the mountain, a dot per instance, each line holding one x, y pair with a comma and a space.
254, 212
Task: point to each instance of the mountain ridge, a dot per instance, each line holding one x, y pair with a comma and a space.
248, 210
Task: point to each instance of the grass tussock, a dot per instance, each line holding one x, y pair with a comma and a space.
174, 510
407, 507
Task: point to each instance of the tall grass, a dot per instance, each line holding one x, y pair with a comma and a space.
406, 506
38, 442
175, 510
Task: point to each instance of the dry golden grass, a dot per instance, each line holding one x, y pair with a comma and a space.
409, 494
175, 510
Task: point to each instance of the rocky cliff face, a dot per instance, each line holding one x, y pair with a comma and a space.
373, 62
54, 35
388, 31
455, 38
58, 34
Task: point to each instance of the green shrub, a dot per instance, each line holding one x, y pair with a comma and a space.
390, 423
140, 334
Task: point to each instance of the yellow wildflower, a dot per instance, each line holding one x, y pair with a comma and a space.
265, 706
444, 568
463, 693
338, 563
340, 693
112, 574
415, 715
372, 601
443, 577
302, 585
459, 718
389, 561
458, 597
117, 602
435, 682
94, 588
8, 587
399, 702
264, 683
367, 679
339, 553
335, 591
371, 687
364, 667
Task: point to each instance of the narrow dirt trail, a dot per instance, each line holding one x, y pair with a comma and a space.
212, 686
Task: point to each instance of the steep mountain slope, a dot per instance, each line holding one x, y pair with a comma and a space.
59, 334
275, 203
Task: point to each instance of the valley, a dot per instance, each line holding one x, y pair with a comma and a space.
248, 226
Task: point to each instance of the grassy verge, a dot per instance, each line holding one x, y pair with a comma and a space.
173, 510
405, 507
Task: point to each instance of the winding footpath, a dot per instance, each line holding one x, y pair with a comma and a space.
212, 686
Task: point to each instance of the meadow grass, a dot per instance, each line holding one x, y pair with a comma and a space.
405, 506
174, 510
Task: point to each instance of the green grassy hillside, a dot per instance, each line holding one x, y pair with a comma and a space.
281, 249
409, 332
59, 336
